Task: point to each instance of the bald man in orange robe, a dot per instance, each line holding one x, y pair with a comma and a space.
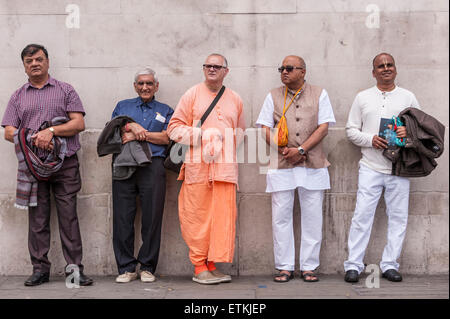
207, 200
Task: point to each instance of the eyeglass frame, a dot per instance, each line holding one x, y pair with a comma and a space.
289, 68
142, 83
214, 66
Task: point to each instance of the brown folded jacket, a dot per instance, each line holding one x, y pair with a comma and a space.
424, 143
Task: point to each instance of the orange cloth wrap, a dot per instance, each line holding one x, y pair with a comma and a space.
207, 215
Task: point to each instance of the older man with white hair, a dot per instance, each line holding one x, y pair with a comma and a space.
148, 182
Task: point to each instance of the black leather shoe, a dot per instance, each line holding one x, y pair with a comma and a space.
37, 278
351, 276
84, 280
392, 275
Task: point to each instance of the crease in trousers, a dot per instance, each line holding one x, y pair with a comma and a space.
65, 184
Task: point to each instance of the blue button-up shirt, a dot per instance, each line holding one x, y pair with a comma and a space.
153, 116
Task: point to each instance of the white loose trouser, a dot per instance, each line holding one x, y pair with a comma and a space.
396, 196
283, 230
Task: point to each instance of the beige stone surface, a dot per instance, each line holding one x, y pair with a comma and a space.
360, 6
118, 37
51, 7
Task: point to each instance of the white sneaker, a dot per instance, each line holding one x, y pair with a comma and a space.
126, 277
147, 276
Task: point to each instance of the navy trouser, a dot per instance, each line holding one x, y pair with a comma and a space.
148, 183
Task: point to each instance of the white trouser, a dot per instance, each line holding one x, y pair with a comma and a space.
283, 230
396, 196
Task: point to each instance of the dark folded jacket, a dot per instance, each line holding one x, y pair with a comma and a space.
424, 143
126, 157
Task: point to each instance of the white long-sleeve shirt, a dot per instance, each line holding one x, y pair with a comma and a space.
368, 108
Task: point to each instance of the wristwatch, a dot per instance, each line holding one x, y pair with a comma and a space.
52, 130
301, 150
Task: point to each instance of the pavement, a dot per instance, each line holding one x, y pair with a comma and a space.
242, 287
245, 297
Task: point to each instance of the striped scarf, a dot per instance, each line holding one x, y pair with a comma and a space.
31, 168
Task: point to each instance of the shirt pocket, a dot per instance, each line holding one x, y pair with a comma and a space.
156, 126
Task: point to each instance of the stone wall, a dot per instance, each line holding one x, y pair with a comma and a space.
337, 39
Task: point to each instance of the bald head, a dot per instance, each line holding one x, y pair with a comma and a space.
301, 62
384, 71
380, 55
293, 72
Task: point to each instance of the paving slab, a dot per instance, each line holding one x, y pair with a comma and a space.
242, 287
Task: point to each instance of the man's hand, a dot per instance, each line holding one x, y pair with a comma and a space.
379, 143
128, 137
281, 149
401, 131
42, 139
212, 143
138, 131
293, 156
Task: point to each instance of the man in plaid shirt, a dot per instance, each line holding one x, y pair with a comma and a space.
41, 99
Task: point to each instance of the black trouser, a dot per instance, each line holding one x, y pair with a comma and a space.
149, 183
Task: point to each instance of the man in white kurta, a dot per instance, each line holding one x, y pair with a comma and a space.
383, 101
309, 182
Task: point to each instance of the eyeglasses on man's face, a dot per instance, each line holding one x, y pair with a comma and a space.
289, 68
214, 66
141, 83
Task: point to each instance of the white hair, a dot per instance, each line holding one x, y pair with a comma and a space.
145, 71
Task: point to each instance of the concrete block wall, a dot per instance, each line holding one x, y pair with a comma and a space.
116, 37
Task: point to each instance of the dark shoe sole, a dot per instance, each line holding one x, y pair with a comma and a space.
392, 279
84, 284
286, 277
351, 280
315, 280
304, 276
30, 284
88, 281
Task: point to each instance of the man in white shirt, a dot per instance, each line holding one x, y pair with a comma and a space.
369, 108
301, 166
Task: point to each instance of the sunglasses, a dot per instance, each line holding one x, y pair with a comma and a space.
215, 67
288, 68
